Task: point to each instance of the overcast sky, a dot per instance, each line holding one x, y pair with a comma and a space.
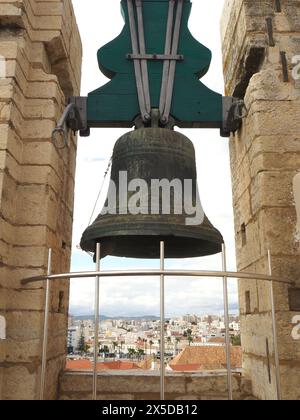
100, 22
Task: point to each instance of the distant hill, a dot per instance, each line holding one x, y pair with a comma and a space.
124, 318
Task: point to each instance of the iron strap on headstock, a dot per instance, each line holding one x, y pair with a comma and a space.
137, 94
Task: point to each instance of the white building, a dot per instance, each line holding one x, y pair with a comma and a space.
73, 337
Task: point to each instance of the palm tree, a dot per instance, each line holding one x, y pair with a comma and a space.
177, 341
115, 345
169, 341
140, 353
150, 344
121, 345
81, 343
104, 350
131, 353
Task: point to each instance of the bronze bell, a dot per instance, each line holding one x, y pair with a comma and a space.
153, 197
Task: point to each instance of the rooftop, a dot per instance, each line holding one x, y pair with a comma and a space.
87, 365
194, 358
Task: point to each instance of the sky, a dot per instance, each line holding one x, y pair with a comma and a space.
99, 22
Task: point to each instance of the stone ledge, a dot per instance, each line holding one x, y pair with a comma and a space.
145, 385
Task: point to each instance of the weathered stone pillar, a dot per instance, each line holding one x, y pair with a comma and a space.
40, 47
260, 39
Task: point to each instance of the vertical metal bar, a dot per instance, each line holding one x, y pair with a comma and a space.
162, 323
137, 64
96, 336
274, 326
45, 336
144, 65
270, 30
175, 43
226, 319
168, 47
285, 66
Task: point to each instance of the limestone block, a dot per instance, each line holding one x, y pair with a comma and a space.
24, 325
139, 384
39, 206
290, 381
211, 387
250, 251
241, 180
9, 141
261, 387
19, 382
267, 85
7, 199
243, 211
256, 329
11, 276
272, 189
278, 228
287, 163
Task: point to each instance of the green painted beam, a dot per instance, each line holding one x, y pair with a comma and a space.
116, 103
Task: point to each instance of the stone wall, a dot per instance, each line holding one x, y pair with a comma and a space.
41, 47
146, 386
260, 39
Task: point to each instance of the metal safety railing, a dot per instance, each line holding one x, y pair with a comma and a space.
162, 273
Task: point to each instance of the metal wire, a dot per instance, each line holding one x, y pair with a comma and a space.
100, 191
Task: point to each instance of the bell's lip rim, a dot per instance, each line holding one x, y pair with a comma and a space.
214, 239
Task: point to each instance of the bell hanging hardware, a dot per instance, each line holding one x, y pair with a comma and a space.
154, 64
73, 118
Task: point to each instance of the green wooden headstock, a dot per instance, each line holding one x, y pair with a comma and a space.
116, 103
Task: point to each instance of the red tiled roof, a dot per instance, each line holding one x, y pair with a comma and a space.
186, 368
217, 340
146, 364
88, 365
206, 358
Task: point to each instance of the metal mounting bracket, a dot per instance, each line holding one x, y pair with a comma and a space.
74, 118
234, 110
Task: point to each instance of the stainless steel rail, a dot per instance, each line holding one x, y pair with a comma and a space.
96, 315
226, 319
45, 333
274, 327
162, 323
151, 273
163, 274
